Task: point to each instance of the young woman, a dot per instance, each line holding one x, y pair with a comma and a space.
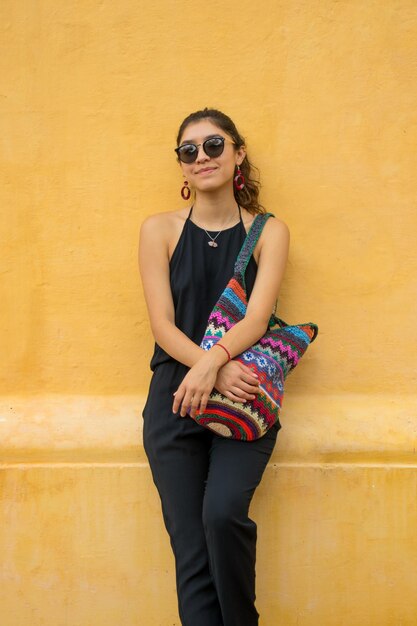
205, 481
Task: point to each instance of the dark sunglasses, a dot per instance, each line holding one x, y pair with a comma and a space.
213, 147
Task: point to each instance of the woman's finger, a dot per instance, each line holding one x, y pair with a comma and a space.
247, 370
248, 387
194, 404
203, 402
251, 380
178, 396
242, 394
186, 403
234, 397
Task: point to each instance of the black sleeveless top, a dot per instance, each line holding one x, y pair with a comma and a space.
198, 275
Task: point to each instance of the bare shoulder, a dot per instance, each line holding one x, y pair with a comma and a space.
160, 232
274, 227
277, 227
156, 221
275, 238
161, 225
275, 233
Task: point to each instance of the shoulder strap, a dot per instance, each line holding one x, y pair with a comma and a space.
250, 242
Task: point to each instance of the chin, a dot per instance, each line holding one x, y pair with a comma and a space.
210, 185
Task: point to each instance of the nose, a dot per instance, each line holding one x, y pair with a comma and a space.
201, 155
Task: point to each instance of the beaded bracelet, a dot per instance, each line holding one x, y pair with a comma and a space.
225, 349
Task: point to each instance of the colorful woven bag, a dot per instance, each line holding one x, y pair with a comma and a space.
272, 358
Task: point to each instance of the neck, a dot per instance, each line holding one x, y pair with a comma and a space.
214, 208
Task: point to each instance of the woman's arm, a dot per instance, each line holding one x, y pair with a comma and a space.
153, 260
273, 254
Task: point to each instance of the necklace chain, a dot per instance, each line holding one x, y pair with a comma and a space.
212, 243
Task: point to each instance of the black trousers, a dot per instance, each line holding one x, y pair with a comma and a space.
206, 483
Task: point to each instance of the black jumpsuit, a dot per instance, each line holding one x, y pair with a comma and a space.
205, 481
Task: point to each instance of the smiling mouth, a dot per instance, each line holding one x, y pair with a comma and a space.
208, 169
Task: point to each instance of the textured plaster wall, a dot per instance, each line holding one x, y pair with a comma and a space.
91, 97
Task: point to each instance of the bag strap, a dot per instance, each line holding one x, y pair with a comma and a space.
250, 242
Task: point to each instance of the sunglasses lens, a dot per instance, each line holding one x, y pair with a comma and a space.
188, 153
214, 147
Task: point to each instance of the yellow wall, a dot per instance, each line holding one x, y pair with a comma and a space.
92, 95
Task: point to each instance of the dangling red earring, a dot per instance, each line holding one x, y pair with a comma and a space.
186, 191
239, 180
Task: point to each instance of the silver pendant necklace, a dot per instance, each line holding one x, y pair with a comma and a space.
212, 243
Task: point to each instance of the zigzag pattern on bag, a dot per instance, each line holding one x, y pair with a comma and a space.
272, 358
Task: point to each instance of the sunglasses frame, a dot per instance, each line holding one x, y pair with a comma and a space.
224, 140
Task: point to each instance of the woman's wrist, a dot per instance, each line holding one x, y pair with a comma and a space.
220, 345
219, 357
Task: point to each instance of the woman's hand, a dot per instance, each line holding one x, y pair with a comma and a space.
197, 384
237, 382
234, 380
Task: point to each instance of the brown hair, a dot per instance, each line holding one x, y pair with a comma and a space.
248, 196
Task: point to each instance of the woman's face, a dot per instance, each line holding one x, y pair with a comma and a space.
210, 173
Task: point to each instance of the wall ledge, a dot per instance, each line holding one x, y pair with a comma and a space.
338, 428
